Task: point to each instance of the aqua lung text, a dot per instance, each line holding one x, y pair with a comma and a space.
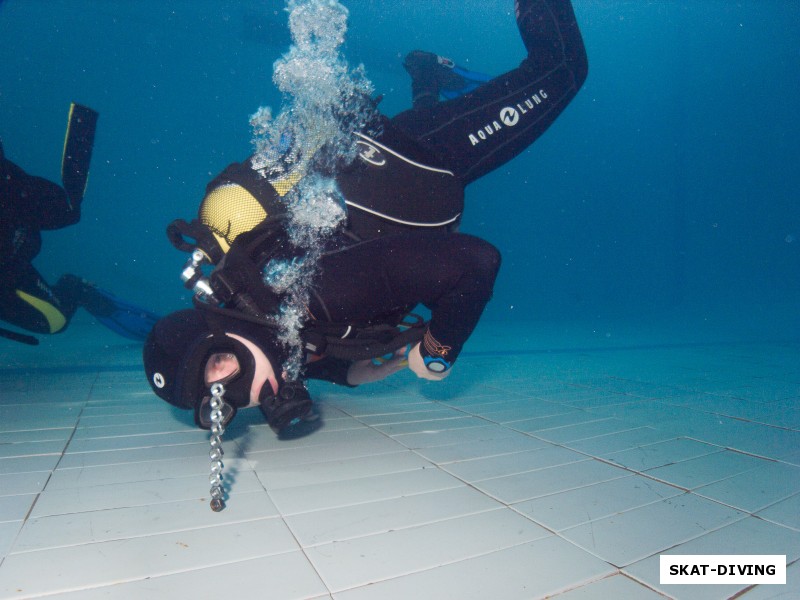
509, 116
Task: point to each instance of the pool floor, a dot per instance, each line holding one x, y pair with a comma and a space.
535, 470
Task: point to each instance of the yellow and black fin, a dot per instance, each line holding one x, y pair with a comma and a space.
78, 144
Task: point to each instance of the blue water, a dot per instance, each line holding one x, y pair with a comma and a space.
668, 188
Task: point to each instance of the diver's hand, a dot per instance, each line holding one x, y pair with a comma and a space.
367, 371
417, 364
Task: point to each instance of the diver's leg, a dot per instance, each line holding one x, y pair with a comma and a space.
423, 68
433, 76
123, 318
31, 304
476, 133
452, 274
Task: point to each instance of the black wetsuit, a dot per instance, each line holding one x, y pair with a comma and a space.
415, 172
407, 187
28, 205
405, 192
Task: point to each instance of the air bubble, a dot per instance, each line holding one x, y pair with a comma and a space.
324, 102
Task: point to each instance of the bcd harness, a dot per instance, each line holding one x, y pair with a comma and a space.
242, 226
234, 287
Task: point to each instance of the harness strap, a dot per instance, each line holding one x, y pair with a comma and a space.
360, 342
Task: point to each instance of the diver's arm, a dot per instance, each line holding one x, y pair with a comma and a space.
367, 371
327, 368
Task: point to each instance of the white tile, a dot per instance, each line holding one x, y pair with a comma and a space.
635, 534
573, 417
340, 423
602, 398
616, 586
510, 464
24, 483
351, 563
53, 434
537, 569
785, 512
147, 412
582, 505
24, 449
434, 412
756, 489
175, 438
275, 478
139, 493
8, 533
131, 418
261, 438
466, 384
37, 416
785, 417
604, 445
583, 431
518, 410
341, 449
357, 491
493, 400
371, 518
648, 412
138, 482
171, 468
375, 406
563, 392
771, 592
431, 439
697, 472
158, 426
792, 458
28, 464
105, 563
533, 484
751, 438
74, 529
762, 440
121, 391
747, 536
505, 442
652, 456
287, 576
15, 508
123, 456
455, 421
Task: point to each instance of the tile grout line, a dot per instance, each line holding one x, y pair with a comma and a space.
44, 487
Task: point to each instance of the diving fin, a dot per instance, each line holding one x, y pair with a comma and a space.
463, 82
433, 76
78, 145
123, 318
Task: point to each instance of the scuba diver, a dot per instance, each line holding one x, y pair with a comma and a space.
359, 306
399, 247
29, 205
